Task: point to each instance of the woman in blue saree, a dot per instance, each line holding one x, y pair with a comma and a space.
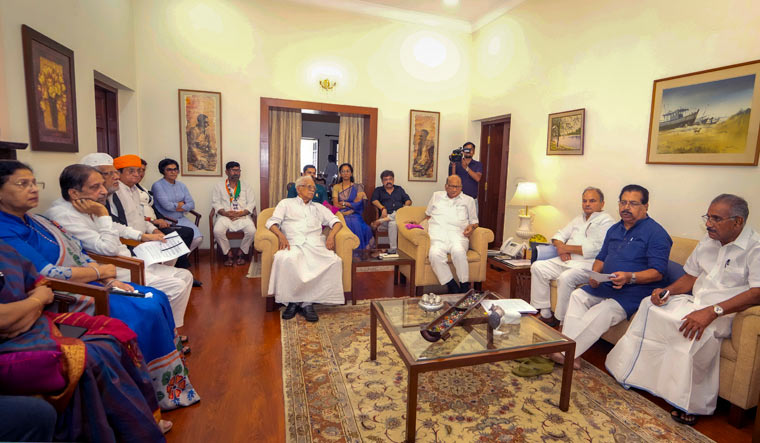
55, 254
349, 197
102, 392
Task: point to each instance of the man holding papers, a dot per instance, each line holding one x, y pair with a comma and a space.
635, 251
82, 213
577, 244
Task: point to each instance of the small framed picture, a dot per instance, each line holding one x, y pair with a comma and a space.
200, 132
423, 145
566, 132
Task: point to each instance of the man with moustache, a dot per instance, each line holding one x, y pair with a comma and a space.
635, 255
672, 347
469, 171
320, 194
388, 198
234, 202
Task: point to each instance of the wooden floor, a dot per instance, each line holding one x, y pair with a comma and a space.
236, 359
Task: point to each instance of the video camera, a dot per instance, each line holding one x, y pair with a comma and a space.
456, 155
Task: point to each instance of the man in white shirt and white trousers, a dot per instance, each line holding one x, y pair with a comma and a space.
453, 218
672, 347
577, 245
234, 202
305, 270
82, 213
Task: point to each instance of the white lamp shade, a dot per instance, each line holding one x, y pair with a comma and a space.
526, 195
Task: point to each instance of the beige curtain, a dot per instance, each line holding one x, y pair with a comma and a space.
351, 143
284, 151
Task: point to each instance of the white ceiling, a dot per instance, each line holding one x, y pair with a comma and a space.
467, 15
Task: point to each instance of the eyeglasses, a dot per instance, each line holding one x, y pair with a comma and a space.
633, 204
110, 173
171, 169
310, 188
453, 186
714, 219
26, 184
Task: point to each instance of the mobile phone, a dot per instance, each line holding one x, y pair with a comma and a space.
130, 294
664, 295
71, 330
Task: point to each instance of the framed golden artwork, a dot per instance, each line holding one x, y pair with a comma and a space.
200, 133
706, 118
423, 145
50, 93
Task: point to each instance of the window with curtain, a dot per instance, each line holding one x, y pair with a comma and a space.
309, 152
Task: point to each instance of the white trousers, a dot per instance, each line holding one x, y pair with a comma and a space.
457, 247
392, 230
176, 283
541, 274
224, 224
589, 317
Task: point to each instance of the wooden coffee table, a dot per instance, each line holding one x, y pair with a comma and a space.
368, 258
403, 318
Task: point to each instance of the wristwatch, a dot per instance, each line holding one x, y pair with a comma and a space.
717, 310
633, 278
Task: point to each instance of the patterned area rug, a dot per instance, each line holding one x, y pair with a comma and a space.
333, 392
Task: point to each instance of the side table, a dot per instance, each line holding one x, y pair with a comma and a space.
519, 278
368, 258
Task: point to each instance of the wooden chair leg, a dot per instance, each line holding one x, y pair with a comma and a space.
270, 304
478, 285
737, 416
418, 290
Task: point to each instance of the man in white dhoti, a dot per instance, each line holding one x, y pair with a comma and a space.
305, 270
672, 347
234, 202
577, 245
82, 213
453, 217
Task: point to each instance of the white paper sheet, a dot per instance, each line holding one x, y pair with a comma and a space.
509, 305
601, 278
159, 252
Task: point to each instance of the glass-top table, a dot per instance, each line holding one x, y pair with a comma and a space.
471, 342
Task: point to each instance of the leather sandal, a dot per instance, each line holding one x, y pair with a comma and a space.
240, 260
186, 350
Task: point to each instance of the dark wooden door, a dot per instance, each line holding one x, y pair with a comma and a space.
494, 154
107, 119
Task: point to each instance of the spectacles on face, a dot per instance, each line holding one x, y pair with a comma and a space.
26, 184
110, 174
714, 219
171, 169
131, 170
309, 187
633, 204
453, 186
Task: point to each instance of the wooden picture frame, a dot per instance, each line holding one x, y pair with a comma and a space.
200, 132
424, 130
50, 93
566, 132
705, 118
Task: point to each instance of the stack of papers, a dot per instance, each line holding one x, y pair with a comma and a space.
509, 305
159, 252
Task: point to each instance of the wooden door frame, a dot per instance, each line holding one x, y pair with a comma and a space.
370, 137
115, 92
507, 120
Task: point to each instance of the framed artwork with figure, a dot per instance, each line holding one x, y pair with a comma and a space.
423, 145
50, 93
566, 133
706, 117
200, 133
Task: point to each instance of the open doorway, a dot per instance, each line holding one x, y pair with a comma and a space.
320, 139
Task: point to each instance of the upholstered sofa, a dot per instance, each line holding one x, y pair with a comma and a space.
416, 243
739, 355
266, 242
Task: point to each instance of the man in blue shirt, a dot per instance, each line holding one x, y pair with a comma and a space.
320, 194
635, 257
469, 170
388, 198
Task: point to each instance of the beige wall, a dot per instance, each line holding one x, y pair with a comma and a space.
550, 56
101, 35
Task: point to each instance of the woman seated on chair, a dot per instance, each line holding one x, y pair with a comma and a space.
98, 383
349, 197
173, 199
56, 254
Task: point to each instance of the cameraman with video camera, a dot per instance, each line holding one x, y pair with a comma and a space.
469, 170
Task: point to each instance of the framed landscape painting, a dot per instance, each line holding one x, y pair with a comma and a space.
423, 145
566, 132
50, 93
200, 133
709, 117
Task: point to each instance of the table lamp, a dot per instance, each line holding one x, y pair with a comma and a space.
526, 195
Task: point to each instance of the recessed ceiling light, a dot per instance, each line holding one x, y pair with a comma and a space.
451, 2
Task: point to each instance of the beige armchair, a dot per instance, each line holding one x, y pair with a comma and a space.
416, 243
266, 242
739, 355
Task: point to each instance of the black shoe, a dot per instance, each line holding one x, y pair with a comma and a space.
309, 313
551, 321
453, 287
290, 311
464, 287
197, 283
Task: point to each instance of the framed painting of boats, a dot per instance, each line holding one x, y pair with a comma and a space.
708, 117
566, 132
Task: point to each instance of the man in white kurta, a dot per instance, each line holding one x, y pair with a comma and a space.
305, 270
84, 216
234, 202
577, 245
672, 347
453, 218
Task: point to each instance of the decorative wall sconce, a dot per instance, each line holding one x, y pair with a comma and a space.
327, 85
